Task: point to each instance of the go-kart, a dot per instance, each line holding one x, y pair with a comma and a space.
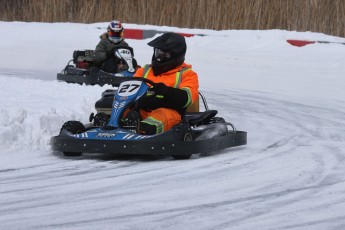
198, 132
83, 70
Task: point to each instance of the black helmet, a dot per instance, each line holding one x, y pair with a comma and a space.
169, 52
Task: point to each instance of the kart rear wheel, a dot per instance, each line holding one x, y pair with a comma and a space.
73, 127
188, 136
72, 154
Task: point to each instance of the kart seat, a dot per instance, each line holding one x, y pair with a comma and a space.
105, 103
195, 118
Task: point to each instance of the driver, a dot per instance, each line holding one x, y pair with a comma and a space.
111, 41
176, 85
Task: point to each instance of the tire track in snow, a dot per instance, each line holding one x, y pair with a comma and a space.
301, 127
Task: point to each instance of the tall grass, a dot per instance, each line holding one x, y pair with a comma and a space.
325, 16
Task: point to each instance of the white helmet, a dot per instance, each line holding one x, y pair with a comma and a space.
115, 31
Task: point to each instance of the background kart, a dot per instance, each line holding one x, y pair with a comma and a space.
84, 71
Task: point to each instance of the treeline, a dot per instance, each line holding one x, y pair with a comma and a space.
325, 16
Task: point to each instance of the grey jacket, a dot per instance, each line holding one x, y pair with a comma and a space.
105, 47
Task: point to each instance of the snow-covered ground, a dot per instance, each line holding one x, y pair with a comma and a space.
290, 100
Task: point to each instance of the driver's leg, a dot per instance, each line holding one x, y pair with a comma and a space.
158, 120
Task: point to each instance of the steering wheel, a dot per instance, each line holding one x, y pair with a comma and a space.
149, 93
147, 81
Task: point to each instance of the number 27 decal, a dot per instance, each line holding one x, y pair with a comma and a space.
128, 88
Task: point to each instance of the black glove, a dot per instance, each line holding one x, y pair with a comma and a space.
161, 89
149, 103
173, 98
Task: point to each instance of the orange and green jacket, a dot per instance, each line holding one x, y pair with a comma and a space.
181, 77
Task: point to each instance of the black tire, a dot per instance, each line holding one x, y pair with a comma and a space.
188, 136
72, 154
73, 127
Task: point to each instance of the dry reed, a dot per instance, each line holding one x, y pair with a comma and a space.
325, 16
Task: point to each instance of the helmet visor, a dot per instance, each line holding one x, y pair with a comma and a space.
161, 55
115, 33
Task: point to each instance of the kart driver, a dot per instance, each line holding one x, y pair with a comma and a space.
176, 88
111, 40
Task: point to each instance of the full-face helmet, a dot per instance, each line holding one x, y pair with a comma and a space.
169, 51
115, 31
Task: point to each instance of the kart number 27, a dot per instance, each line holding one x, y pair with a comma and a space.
128, 88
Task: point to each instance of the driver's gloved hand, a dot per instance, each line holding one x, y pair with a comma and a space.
160, 89
150, 103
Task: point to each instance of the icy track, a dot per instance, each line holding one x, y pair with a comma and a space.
290, 175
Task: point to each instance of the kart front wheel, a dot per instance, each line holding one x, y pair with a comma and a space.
73, 127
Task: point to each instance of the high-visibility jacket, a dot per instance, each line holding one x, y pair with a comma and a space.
164, 114
181, 77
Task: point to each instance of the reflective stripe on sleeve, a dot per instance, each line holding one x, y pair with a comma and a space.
189, 93
146, 71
